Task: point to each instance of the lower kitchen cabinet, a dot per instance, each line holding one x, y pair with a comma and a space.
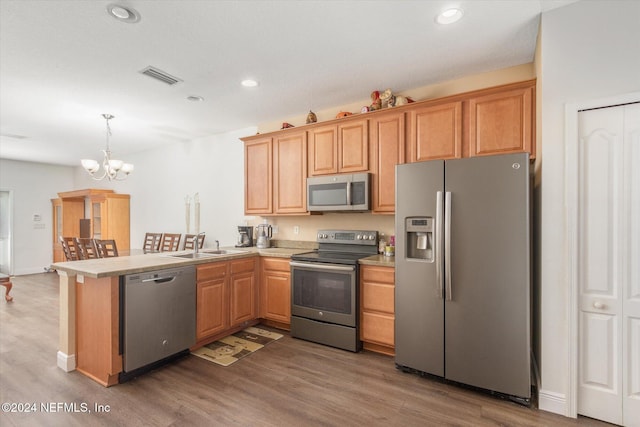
275, 291
211, 299
377, 311
242, 291
226, 297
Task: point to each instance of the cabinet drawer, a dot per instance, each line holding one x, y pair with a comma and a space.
377, 274
242, 265
378, 297
276, 264
378, 328
211, 271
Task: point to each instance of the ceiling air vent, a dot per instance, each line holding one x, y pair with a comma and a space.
158, 74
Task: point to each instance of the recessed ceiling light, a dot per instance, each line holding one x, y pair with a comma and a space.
249, 83
124, 14
449, 16
195, 98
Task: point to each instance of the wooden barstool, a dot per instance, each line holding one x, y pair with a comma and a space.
86, 248
170, 242
6, 282
106, 248
69, 248
152, 242
188, 241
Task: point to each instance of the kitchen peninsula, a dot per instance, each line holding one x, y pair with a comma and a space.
90, 304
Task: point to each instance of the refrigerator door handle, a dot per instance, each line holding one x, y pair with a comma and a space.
447, 245
438, 248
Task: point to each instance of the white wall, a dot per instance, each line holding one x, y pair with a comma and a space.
33, 186
213, 167
589, 50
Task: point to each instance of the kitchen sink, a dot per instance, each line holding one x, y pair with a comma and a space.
206, 253
193, 256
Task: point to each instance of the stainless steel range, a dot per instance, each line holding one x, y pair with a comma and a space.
324, 288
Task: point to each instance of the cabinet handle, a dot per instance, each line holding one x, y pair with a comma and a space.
598, 305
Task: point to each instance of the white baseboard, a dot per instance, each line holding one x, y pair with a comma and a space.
66, 362
551, 401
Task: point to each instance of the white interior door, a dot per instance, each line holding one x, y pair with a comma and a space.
609, 264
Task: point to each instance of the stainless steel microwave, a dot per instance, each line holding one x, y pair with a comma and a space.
338, 192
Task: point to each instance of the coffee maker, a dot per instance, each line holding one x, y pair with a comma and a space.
245, 236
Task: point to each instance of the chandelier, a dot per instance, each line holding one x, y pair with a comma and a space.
111, 167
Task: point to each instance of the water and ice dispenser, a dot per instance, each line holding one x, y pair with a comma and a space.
419, 238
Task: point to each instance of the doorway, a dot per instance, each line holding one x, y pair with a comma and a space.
6, 232
603, 214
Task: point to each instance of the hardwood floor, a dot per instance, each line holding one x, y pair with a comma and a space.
288, 383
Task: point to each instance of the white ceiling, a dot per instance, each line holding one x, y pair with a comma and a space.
65, 62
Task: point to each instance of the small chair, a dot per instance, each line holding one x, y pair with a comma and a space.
151, 242
188, 241
69, 248
86, 248
170, 242
106, 248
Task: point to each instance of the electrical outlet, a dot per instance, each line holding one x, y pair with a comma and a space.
275, 229
296, 229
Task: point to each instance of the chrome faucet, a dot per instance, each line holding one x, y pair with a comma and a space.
196, 242
217, 245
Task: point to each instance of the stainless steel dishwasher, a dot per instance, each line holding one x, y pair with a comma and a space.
158, 318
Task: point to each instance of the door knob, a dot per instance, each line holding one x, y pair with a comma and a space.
598, 305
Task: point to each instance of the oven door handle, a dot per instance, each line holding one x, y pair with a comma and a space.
321, 266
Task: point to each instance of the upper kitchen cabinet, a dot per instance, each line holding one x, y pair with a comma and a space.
275, 170
258, 185
290, 173
502, 122
387, 148
339, 148
435, 132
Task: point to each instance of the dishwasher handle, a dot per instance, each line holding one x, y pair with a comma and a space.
160, 279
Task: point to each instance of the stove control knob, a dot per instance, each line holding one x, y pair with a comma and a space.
371, 237
359, 237
324, 236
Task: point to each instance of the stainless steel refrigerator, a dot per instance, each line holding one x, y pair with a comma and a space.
462, 296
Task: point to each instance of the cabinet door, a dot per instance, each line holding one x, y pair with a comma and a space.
436, 132
387, 144
377, 318
290, 173
275, 290
211, 308
258, 196
353, 146
212, 315
501, 123
323, 150
242, 291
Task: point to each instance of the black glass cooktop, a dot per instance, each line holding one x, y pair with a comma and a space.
330, 257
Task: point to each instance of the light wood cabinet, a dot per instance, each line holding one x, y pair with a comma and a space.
211, 300
110, 218
339, 148
435, 132
67, 214
258, 176
387, 144
275, 290
502, 122
290, 173
377, 311
242, 291
276, 175
226, 297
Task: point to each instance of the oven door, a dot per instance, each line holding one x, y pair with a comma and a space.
324, 292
